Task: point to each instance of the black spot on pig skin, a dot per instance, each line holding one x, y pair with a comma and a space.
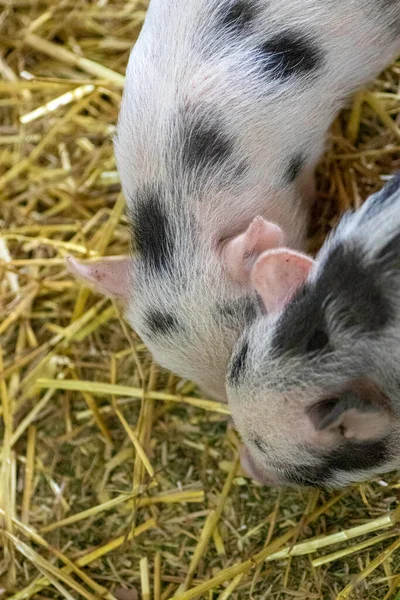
237, 366
354, 287
161, 323
237, 15
318, 341
205, 143
290, 54
366, 307
351, 456
258, 442
153, 234
295, 165
301, 327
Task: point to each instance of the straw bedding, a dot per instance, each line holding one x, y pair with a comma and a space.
117, 477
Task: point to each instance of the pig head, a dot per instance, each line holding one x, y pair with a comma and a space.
314, 383
195, 312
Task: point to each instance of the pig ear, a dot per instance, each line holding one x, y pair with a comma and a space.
353, 417
109, 277
278, 274
240, 252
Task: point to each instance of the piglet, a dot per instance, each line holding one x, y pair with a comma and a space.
223, 118
314, 383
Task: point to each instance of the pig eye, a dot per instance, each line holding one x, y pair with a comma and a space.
317, 341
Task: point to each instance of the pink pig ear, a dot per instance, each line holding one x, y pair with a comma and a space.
240, 253
277, 275
109, 277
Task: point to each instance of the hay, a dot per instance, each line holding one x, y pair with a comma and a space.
115, 475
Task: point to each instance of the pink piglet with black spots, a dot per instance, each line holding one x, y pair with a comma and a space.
223, 119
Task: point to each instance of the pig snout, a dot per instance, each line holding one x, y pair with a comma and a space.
254, 470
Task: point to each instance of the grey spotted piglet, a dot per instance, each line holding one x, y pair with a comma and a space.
224, 116
314, 384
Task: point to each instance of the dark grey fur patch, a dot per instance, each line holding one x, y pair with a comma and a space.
359, 288
237, 15
205, 143
291, 54
302, 326
296, 163
355, 287
258, 442
152, 231
237, 365
161, 323
318, 341
239, 311
351, 456
388, 194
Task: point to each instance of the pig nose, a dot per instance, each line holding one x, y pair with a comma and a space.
255, 471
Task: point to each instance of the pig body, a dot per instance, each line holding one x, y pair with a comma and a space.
224, 116
314, 384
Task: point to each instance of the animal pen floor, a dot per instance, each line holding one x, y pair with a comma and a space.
116, 475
